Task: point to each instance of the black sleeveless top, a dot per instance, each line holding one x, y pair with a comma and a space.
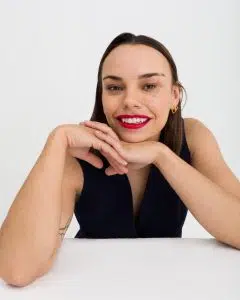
104, 208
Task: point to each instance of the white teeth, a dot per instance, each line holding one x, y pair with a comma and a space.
133, 120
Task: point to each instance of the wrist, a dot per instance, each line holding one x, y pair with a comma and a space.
162, 152
58, 136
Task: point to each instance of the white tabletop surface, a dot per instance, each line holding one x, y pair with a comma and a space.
165, 268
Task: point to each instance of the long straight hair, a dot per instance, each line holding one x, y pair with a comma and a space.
172, 133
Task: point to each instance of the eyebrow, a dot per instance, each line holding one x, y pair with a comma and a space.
147, 75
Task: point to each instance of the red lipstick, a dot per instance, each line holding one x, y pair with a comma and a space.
132, 116
132, 125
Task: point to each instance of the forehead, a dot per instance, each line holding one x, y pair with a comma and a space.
129, 61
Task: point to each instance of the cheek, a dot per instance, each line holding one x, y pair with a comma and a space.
159, 98
159, 107
107, 105
110, 103
108, 109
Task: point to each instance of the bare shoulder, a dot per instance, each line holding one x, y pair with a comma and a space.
207, 157
73, 173
197, 134
189, 124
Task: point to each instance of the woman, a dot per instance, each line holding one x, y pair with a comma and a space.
132, 171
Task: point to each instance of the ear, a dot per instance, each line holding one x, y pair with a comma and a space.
176, 93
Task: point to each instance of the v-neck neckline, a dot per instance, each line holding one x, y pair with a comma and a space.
135, 218
124, 176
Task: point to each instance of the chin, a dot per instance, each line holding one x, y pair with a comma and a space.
132, 138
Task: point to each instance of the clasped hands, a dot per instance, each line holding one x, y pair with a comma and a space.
137, 155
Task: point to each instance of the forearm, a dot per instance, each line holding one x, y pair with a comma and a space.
29, 232
216, 210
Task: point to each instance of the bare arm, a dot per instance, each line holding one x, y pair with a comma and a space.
30, 232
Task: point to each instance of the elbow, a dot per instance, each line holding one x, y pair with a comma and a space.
22, 273
233, 244
237, 246
22, 277
18, 279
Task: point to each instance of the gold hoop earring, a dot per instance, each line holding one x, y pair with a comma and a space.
174, 109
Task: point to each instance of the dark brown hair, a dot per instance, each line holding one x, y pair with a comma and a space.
172, 133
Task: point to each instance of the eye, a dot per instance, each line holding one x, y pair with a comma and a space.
150, 86
113, 88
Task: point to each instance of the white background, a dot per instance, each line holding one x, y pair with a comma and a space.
49, 56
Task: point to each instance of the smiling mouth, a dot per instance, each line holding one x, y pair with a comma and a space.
133, 125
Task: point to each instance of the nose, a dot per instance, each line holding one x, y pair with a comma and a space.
131, 99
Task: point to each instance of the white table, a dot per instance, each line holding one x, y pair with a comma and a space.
137, 269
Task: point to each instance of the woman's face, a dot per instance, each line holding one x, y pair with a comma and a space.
125, 91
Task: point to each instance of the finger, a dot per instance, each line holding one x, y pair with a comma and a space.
103, 127
94, 160
89, 157
102, 146
108, 139
115, 167
118, 168
115, 145
110, 171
